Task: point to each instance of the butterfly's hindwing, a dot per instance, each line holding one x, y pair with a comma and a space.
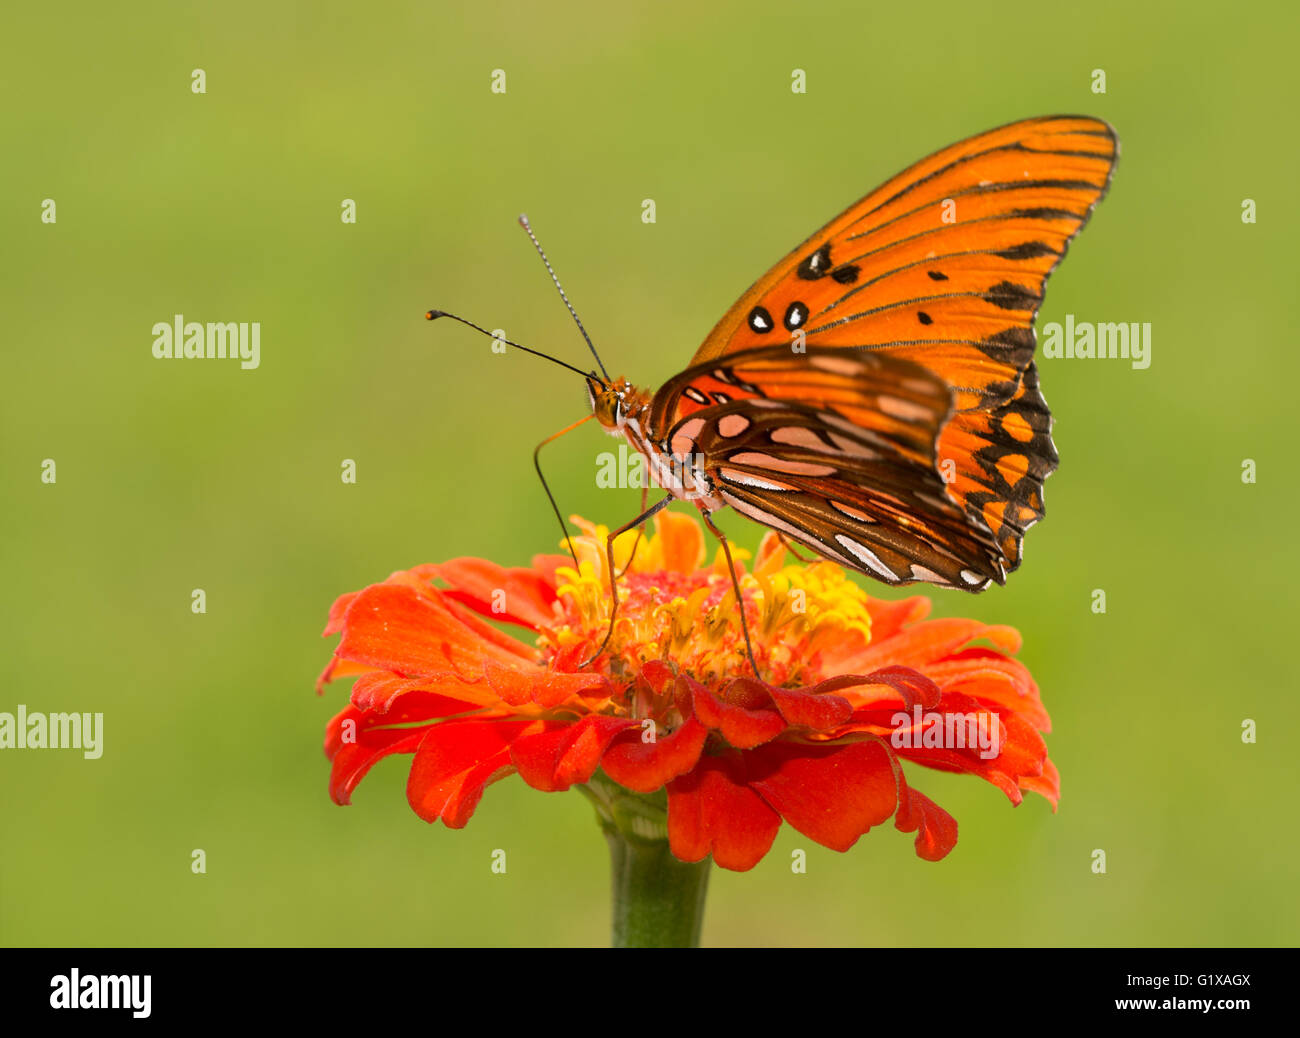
999, 460
835, 451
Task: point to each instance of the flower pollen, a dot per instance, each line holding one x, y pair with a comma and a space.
672, 608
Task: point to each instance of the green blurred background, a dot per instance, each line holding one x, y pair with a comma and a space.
174, 476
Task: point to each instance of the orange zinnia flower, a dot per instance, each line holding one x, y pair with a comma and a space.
852, 687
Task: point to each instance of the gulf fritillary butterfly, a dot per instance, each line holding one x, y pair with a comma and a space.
874, 396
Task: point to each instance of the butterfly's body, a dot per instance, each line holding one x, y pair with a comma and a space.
623, 410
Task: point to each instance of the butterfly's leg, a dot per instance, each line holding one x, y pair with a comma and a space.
791, 549
645, 492
735, 584
537, 464
613, 581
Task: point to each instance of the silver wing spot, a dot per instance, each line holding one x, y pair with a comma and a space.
867, 557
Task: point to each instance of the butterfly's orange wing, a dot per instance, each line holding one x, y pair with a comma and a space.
944, 265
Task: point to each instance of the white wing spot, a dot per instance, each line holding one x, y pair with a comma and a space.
867, 557
852, 513
744, 479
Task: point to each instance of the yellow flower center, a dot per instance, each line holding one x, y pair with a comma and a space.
672, 608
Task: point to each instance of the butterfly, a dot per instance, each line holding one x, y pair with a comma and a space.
873, 396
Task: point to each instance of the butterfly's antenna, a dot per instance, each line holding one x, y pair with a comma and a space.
523, 222
433, 315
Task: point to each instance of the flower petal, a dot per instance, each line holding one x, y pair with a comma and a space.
712, 811
912, 685
336, 669
741, 726
932, 640
832, 794
816, 707
935, 828
546, 565
513, 595
397, 629
565, 753
1022, 754
380, 692
1048, 784
334, 623
456, 761
354, 748
681, 539
993, 678
889, 618
644, 767
518, 686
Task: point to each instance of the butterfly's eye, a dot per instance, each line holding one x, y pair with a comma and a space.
605, 405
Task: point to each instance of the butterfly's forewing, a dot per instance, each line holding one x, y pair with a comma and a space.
836, 451
944, 265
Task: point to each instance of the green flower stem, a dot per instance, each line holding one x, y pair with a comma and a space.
658, 901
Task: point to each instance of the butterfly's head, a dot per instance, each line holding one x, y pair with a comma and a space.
612, 402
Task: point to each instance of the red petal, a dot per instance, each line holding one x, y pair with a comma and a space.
888, 618
456, 761
644, 767
355, 749
1048, 784
657, 674
337, 668
564, 754
935, 828
380, 693
527, 598
395, 628
814, 707
911, 684
831, 794
932, 640
546, 688
340, 607
992, 677
712, 811
546, 565
1021, 754
741, 727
